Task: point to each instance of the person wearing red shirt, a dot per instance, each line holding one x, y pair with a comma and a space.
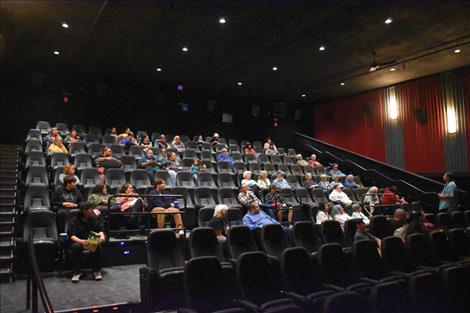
390, 197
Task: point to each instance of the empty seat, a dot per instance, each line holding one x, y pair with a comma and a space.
273, 239
250, 158
82, 160
140, 180
44, 127
63, 129
35, 158
285, 168
226, 180
319, 196
306, 236
224, 167
165, 176
234, 148
289, 160
257, 143
226, 195
80, 129
34, 134
204, 216
458, 219
379, 226
33, 145
203, 242
188, 202
237, 157
419, 249
128, 163
344, 302
232, 141
59, 159
205, 179
296, 169
350, 229
203, 197
89, 177
368, 260
395, 257
95, 149
291, 152
240, 240
108, 140
234, 216
95, 131
59, 170
37, 175
209, 167
114, 178
136, 152
305, 198
276, 159
460, 242
293, 181
239, 168
255, 168
185, 179
332, 232
270, 169
263, 158
190, 154
118, 150
36, 197
90, 138
289, 198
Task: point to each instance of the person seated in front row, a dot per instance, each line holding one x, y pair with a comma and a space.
249, 149
99, 197
57, 146
249, 181
275, 202
323, 213
80, 227
335, 171
339, 196
219, 224
255, 218
69, 170
362, 233
313, 161
324, 183
280, 182
308, 182
64, 199
127, 200
52, 135
263, 182
300, 160
341, 217
165, 204
149, 162
350, 183
246, 196
414, 224
357, 213
225, 156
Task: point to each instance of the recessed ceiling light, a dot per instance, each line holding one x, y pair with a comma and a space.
222, 20
239, 83
65, 25
185, 49
303, 95
274, 68
342, 84
56, 52
388, 20
457, 51
393, 69
322, 48
159, 69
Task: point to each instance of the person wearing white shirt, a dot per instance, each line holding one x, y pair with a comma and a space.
357, 213
323, 213
342, 216
337, 195
247, 180
263, 181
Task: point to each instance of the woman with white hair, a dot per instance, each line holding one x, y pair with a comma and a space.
218, 222
339, 196
263, 182
371, 198
248, 180
300, 160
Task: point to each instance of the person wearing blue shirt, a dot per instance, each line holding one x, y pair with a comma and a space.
128, 141
335, 171
255, 218
280, 182
224, 156
447, 198
149, 162
350, 183
166, 204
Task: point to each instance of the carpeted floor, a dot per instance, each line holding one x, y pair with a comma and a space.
119, 284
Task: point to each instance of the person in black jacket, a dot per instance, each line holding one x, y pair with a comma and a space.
80, 227
66, 198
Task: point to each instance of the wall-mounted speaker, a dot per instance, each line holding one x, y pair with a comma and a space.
421, 115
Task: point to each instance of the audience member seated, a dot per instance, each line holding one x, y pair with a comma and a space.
106, 160
336, 181
308, 182
398, 219
249, 149
53, 135
323, 213
249, 181
324, 183
127, 200
79, 230
371, 198
162, 144
224, 156
414, 224
57, 146
196, 169
362, 233
255, 218
340, 215
218, 222
178, 144
300, 160
280, 182
73, 137
273, 201
447, 197
124, 134
350, 183
145, 143
246, 196
390, 197
200, 140
339, 196
69, 170
271, 149
313, 161
172, 165
99, 197
335, 171
263, 182
113, 132
214, 140
269, 144
149, 162
65, 198
357, 213
128, 141
165, 204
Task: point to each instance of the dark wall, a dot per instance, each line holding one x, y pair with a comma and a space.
141, 106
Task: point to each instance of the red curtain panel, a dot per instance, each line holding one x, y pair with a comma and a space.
354, 123
466, 87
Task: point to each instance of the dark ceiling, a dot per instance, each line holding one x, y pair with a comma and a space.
132, 38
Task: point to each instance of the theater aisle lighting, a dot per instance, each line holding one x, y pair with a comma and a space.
342, 84
185, 49
274, 68
239, 83
56, 52
393, 69
457, 51
322, 48
451, 120
393, 106
65, 25
389, 20
222, 20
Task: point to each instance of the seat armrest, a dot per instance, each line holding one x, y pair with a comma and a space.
334, 287
294, 296
247, 305
368, 280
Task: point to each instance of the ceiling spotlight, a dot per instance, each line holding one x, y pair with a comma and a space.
342, 84
185, 49
393, 69
457, 51
65, 25
239, 83
322, 48
303, 95
222, 20
274, 68
159, 69
388, 20
56, 52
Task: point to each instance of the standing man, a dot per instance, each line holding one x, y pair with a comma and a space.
448, 197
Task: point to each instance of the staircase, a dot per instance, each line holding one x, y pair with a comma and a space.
9, 155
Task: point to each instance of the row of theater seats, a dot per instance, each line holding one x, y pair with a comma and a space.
404, 278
